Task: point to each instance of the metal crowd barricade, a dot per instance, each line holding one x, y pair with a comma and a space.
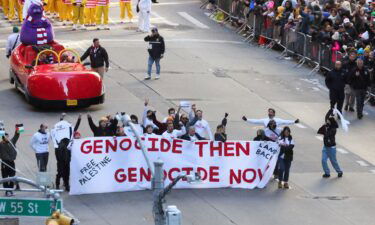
325, 56
312, 53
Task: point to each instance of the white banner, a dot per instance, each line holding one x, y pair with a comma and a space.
110, 164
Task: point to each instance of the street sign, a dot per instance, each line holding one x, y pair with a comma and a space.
27, 207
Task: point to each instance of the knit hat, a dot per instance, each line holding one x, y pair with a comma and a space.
360, 51
368, 48
346, 20
15, 29
336, 36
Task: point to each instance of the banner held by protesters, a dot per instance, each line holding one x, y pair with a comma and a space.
108, 164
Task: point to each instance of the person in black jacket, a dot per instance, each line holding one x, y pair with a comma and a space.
285, 157
261, 136
335, 81
349, 66
98, 57
191, 135
156, 51
328, 130
359, 81
220, 134
107, 126
8, 155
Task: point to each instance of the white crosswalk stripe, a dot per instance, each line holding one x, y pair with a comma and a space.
319, 138
193, 20
362, 163
300, 126
342, 151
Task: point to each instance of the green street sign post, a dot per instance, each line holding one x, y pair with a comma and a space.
36, 207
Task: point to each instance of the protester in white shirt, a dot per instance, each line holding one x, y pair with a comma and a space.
149, 132
128, 130
62, 137
172, 133
271, 116
272, 131
39, 143
201, 126
13, 41
146, 117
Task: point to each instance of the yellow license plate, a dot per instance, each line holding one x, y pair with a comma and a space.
71, 102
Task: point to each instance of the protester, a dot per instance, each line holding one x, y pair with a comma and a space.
107, 126
156, 51
39, 143
261, 136
13, 42
98, 57
201, 125
328, 130
8, 155
272, 132
286, 144
191, 135
149, 131
120, 132
62, 136
129, 131
147, 118
220, 134
359, 81
172, 133
171, 114
271, 116
335, 81
144, 14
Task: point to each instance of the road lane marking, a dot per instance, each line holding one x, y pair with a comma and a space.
342, 151
164, 20
320, 138
193, 20
300, 126
362, 163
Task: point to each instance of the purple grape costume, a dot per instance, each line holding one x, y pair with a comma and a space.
36, 29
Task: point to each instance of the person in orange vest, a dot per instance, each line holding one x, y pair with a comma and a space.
78, 13
13, 6
67, 10
126, 5
102, 8
90, 10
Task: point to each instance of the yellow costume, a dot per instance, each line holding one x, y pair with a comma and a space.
78, 11
126, 6
102, 8
90, 12
13, 6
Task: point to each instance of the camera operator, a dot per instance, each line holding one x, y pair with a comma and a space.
8, 155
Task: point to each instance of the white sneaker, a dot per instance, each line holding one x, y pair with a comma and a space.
98, 27
83, 27
64, 23
106, 27
122, 21
130, 21
147, 77
157, 76
74, 27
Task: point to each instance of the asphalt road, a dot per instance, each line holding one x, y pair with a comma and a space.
208, 64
